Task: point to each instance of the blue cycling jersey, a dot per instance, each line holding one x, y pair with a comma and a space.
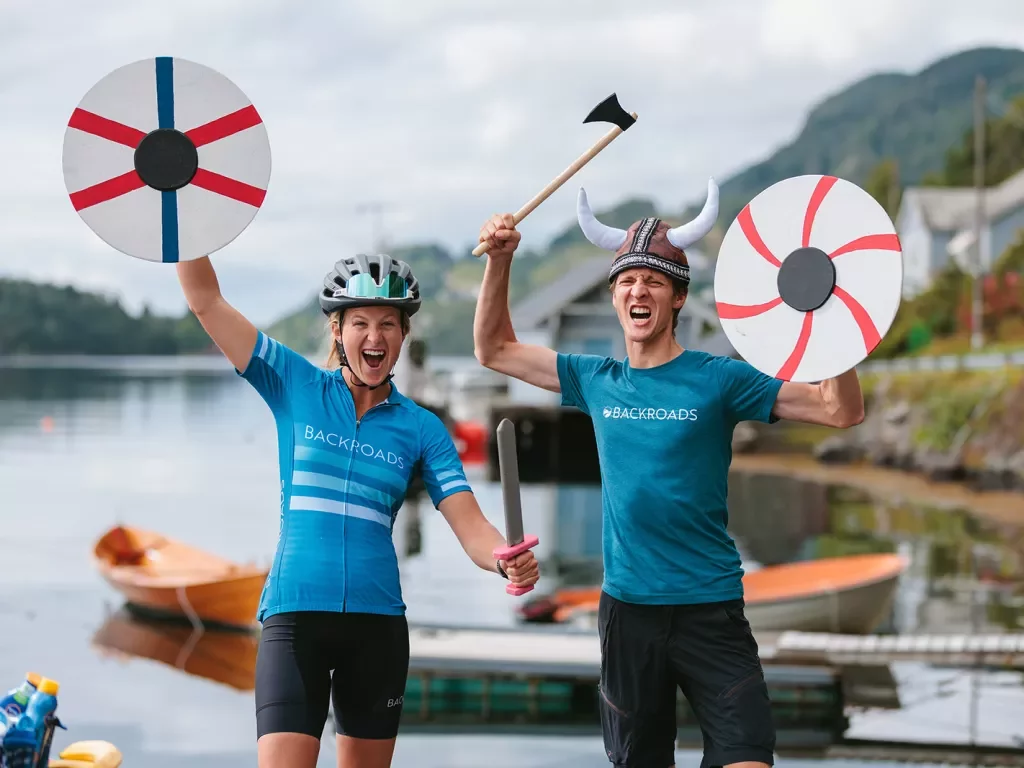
343, 481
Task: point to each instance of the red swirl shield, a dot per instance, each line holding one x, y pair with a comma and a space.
809, 278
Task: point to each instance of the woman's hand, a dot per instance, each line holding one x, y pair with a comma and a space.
523, 570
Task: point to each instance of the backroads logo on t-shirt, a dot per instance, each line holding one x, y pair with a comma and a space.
650, 414
350, 444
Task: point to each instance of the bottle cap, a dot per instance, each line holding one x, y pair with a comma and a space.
34, 678
49, 686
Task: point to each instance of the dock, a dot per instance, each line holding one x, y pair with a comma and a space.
557, 651
546, 678
1005, 651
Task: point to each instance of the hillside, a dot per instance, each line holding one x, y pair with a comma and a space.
914, 118
450, 284
889, 126
46, 319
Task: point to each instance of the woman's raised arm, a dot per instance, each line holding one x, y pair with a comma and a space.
227, 327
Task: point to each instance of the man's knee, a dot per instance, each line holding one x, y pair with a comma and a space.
638, 737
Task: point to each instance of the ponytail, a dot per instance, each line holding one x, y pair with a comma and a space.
334, 356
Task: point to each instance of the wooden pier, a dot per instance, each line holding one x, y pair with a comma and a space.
543, 680
558, 651
547, 679
1005, 651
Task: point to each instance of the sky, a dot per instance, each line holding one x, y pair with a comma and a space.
441, 113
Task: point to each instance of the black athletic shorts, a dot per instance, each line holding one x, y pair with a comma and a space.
706, 650
358, 662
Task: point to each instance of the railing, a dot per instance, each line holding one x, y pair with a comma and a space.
973, 362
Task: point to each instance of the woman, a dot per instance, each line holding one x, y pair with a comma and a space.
348, 443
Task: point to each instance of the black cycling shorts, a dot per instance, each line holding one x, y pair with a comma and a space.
709, 652
358, 662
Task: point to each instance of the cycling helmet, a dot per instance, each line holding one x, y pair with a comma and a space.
361, 280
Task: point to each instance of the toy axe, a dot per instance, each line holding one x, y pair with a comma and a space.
608, 111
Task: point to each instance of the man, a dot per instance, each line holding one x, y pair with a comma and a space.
671, 610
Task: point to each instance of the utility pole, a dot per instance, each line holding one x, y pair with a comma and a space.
374, 209
894, 189
977, 335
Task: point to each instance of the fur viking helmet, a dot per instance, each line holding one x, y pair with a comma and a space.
649, 242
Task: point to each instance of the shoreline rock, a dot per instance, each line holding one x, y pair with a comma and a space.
967, 433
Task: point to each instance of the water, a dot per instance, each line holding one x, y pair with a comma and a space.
187, 448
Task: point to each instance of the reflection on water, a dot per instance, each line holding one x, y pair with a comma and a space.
192, 453
219, 655
966, 573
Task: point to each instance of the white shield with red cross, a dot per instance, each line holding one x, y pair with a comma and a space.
809, 278
166, 160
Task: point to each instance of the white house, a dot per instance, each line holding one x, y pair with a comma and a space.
936, 224
575, 314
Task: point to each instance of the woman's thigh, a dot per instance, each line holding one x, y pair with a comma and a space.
368, 687
293, 685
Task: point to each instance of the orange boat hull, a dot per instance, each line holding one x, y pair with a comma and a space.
169, 577
849, 594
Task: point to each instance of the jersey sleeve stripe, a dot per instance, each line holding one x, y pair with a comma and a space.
455, 484
449, 473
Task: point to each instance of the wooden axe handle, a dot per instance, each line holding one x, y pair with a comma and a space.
559, 180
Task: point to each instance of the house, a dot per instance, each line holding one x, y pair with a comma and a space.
575, 314
936, 224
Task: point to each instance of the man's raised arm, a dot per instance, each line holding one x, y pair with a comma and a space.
494, 339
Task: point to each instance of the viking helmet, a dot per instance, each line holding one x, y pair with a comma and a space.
649, 242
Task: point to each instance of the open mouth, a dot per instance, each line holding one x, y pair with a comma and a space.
640, 315
374, 358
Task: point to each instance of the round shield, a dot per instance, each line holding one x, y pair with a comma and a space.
166, 160
809, 278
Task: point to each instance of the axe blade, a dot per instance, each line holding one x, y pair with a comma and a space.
610, 111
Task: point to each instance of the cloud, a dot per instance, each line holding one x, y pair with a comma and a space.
444, 112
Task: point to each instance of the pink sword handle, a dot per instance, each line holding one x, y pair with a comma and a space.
504, 553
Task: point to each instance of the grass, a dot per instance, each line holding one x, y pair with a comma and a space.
1010, 338
949, 398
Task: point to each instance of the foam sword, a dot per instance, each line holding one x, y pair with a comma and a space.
508, 465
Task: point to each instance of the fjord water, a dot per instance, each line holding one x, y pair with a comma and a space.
185, 447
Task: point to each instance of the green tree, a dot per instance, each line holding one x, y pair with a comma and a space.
883, 184
49, 319
1004, 151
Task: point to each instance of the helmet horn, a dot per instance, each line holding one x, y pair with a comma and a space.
685, 235
601, 235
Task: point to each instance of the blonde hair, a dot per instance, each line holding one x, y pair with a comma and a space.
337, 318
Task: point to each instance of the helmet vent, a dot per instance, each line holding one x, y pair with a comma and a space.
375, 272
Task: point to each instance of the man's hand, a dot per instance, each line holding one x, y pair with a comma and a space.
523, 569
501, 236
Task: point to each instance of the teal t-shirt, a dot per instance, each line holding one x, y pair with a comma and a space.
664, 438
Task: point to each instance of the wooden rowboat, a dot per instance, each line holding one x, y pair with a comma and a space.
848, 595
165, 576
227, 657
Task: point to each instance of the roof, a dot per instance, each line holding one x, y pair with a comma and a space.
952, 208
584, 276
556, 295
